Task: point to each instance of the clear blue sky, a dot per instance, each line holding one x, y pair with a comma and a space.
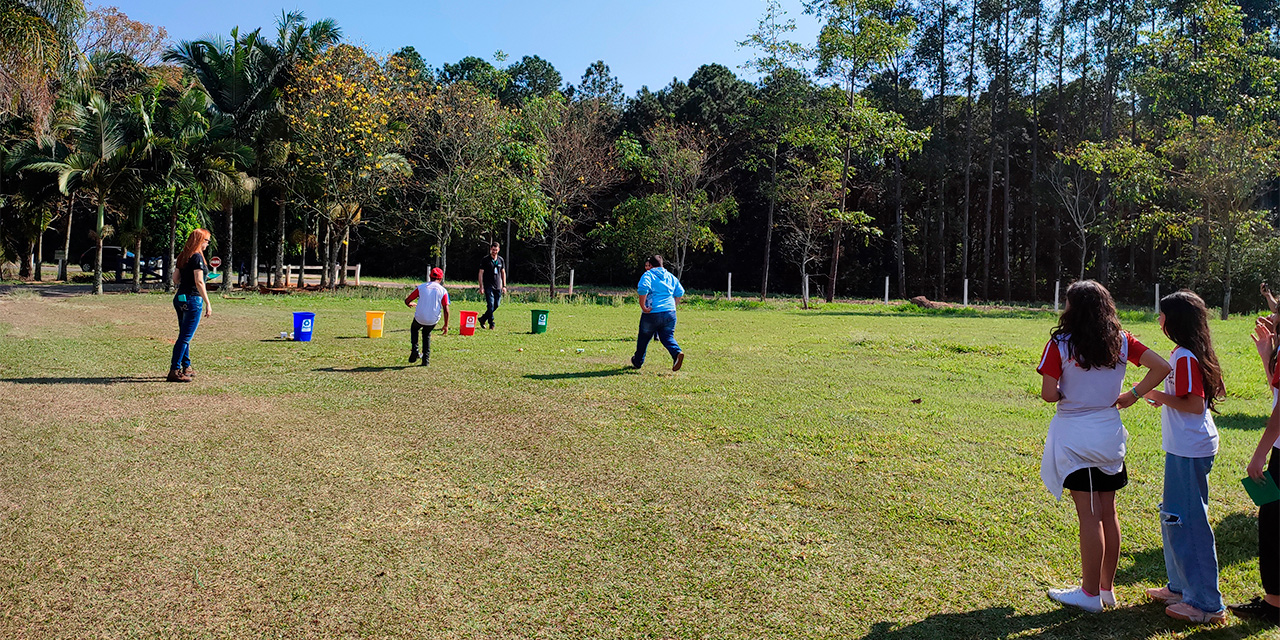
644, 42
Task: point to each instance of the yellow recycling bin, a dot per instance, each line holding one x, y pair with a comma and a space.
373, 322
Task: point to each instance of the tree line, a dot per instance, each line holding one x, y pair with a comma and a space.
1008, 144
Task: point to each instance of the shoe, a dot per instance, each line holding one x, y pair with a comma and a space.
491, 325
634, 365
1163, 594
413, 357
176, 376
189, 372
424, 362
1108, 599
675, 366
1184, 611
1257, 609
1076, 597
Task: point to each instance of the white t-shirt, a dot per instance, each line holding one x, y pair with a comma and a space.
432, 297
1190, 435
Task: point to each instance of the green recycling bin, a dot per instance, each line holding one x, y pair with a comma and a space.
539, 321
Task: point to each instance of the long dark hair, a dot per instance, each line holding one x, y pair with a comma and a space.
1186, 322
1090, 326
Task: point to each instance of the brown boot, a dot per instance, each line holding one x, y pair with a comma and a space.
189, 372
176, 376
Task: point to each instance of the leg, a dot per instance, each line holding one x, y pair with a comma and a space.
426, 343
667, 333
1106, 502
1269, 541
489, 307
179, 346
413, 341
195, 309
1092, 545
643, 337
1184, 522
497, 301
188, 320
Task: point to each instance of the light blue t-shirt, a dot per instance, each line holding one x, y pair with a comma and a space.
662, 287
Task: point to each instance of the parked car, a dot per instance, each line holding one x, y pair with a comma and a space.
111, 257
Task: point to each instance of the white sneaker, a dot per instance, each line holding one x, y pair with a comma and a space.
1076, 597
1108, 599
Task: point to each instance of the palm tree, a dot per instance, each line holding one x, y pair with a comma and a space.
36, 43
101, 163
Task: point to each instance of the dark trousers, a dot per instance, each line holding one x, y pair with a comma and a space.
492, 298
661, 325
189, 312
426, 330
1269, 536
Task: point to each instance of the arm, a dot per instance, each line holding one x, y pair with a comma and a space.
1258, 463
198, 275
1157, 369
644, 304
1269, 297
1263, 341
1049, 389
1186, 403
409, 300
444, 305
480, 279
502, 280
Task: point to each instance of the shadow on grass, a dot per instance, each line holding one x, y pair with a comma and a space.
1236, 538
366, 369
103, 380
606, 340
1002, 622
603, 373
1240, 421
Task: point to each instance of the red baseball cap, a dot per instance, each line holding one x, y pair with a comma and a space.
437, 274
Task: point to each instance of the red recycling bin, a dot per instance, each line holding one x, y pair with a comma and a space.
467, 322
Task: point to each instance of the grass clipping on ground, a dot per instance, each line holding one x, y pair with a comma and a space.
784, 484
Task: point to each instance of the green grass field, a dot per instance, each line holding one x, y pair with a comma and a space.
783, 485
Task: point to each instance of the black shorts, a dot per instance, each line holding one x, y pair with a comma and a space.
1093, 479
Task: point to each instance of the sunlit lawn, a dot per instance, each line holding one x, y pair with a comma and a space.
784, 484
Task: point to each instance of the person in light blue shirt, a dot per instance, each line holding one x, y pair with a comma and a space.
659, 290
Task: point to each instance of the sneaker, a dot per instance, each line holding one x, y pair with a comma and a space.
176, 376
1108, 599
633, 363
1076, 597
675, 366
1257, 609
413, 357
1163, 594
1184, 611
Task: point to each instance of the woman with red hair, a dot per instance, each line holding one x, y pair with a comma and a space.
191, 303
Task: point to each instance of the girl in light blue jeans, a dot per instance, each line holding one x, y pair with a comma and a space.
1190, 444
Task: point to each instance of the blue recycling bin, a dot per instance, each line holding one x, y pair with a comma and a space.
303, 323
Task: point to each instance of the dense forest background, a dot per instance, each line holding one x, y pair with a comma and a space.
1013, 143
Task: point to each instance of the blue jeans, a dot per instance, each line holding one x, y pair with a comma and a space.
1190, 557
492, 298
662, 325
189, 312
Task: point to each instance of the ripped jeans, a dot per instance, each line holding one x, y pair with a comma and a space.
1190, 557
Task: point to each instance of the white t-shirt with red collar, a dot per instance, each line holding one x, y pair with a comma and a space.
1190, 435
431, 297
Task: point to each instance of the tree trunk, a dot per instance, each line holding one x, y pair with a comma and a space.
327, 264
844, 197
804, 287
551, 263
253, 259
898, 250
38, 274
986, 228
968, 134
1008, 214
27, 263
173, 239
227, 280
1226, 271
277, 279
302, 256
137, 252
97, 265
66, 240
346, 254
768, 227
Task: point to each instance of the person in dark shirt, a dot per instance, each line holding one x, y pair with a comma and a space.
191, 302
493, 283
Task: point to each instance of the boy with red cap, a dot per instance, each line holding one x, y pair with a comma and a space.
432, 301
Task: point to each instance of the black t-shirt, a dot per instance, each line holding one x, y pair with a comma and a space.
491, 267
187, 276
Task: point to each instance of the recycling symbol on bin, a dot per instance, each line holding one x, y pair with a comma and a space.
306, 324
542, 319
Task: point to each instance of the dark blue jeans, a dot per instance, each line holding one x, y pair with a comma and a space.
189, 312
492, 298
661, 325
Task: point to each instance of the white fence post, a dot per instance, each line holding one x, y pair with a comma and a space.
966, 292
1157, 307
1057, 286
729, 287
571, 282
886, 289
288, 274
357, 274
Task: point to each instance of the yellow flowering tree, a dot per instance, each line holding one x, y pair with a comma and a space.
345, 138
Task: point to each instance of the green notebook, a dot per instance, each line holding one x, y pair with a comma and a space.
1263, 492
